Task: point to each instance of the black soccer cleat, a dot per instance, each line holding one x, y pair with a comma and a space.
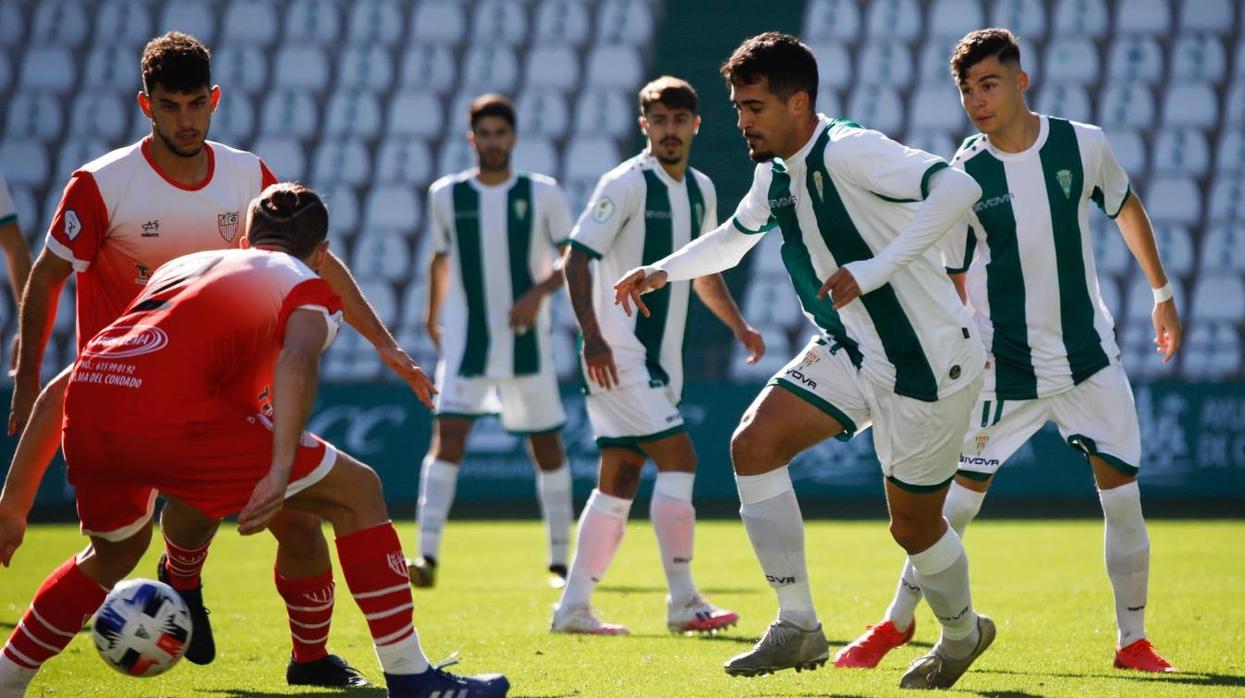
202, 647
557, 576
330, 671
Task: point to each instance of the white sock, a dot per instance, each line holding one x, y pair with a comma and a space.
1128, 558
554, 488
960, 507
438, 480
601, 528
771, 515
674, 521
403, 657
14, 678
942, 572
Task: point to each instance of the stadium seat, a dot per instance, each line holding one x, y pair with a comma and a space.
343, 207
113, 68
1143, 17
499, 21
34, 114
48, 68
934, 64
954, 18
939, 143
884, 63
1190, 104
121, 22
74, 153
376, 23
578, 190
833, 21
1080, 18
1176, 247
1227, 199
289, 113
438, 22
365, 67
99, 114
1127, 105
1135, 58
491, 68
1223, 248
415, 114
6, 73
1137, 347
140, 127
190, 17
607, 112
834, 64
455, 156
1219, 296
12, 23
1211, 350
543, 112
284, 156
1067, 100
312, 21
1234, 106
615, 66
1215, 16
878, 107
587, 156
1111, 254
429, 68
1181, 151
1141, 302
353, 113
536, 154
624, 22
412, 307
240, 68
403, 161
301, 67
392, 208
1072, 59
25, 162
1198, 58
58, 23
1025, 17
250, 22
828, 102
937, 106
1129, 149
341, 160
1174, 199
770, 300
1230, 153
900, 19
562, 23
552, 67
385, 255
27, 211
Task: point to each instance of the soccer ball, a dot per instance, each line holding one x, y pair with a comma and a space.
143, 628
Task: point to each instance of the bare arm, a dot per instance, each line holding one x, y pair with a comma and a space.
1138, 234
523, 314
17, 253
597, 353
38, 313
713, 291
961, 286
438, 281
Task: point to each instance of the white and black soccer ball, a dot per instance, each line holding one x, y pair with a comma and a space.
142, 628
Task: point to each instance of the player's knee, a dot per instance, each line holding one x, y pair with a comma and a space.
910, 533
368, 496
299, 534
449, 449
752, 452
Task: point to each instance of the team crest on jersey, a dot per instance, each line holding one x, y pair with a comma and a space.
603, 209
819, 185
983, 437
1064, 177
520, 208
227, 224
809, 359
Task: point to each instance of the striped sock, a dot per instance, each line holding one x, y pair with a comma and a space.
60, 607
375, 570
309, 605
183, 565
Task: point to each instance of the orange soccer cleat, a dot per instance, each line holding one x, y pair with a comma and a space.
868, 649
1141, 656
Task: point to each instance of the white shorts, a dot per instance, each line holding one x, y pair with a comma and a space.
527, 404
1097, 417
631, 414
917, 442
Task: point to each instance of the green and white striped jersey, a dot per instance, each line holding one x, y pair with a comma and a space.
1026, 249
637, 215
843, 198
501, 240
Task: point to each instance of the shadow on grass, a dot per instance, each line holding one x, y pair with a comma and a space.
633, 589
696, 637
1008, 694
369, 691
1192, 678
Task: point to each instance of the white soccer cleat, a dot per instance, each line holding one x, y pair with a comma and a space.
580, 620
696, 615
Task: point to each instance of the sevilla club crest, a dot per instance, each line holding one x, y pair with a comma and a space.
227, 224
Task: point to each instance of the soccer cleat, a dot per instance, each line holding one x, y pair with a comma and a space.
868, 649
936, 670
329, 671
580, 620
439, 683
1141, 656
202, 647
697, 615
784, 646
422, 571
557, 576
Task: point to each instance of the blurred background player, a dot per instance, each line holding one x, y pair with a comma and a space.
893, 350
496, 234
1026, 266
16, 249
122, 216
641, 210
180, 415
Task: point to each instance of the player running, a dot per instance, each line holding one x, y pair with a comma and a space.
894, 347
641, 210
1026, 265
165, 399
495, 235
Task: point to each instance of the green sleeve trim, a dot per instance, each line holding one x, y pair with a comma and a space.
893, 200
1127, 194
769, 225
12, 218
849, 426
561, 243
940, 165
575, 244
919, 489
970, 247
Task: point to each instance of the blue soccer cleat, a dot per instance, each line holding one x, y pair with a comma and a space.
439, 683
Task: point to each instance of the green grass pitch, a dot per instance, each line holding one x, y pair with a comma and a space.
1043, 582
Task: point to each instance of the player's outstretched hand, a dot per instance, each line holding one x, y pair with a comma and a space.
599, 359
523, 314
401, 363
753, 342
24, 394
266, 500
634, 284
1167, 329
842, 288
12, 532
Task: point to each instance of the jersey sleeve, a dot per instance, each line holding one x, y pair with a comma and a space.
313, 294
557, 216
608, 210
959, 246
1111, 186
266, 177
80, 224
889, 169
8, 212
439, 230
752, 215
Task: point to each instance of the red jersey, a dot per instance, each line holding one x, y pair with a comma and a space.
120, 218
197, 348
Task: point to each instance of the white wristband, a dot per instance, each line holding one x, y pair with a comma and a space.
1164, 294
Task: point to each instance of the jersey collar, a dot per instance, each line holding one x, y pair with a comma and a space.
651, 162
145, 146
1030, 152
482, 187
782, 165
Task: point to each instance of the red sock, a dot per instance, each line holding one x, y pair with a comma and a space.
60, 607
309, 604
375, 571
183, 565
